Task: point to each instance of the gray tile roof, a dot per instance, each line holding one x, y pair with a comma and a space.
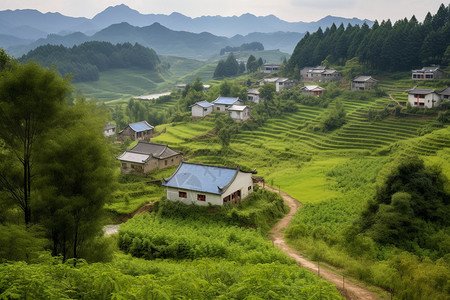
420, 91
445, 92
156, 150
364, 79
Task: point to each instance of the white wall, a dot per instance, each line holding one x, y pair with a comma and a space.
431, 100
198, 111
241, 182
173, 195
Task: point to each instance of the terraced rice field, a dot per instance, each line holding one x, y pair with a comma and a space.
357, 134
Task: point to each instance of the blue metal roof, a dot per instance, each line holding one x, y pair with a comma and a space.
225, 100
141, 126
200, 178
204, 104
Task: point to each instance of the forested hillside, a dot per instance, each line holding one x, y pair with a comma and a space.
401, 46
88, 59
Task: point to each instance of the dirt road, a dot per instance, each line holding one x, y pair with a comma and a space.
348, 289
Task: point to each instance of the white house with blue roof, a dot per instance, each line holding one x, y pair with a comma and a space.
137, 131
204, 184
222, 103
201, 109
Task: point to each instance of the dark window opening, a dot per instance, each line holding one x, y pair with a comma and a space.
182, 194
201, 197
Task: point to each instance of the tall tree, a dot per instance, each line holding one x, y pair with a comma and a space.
30, 97
76, 179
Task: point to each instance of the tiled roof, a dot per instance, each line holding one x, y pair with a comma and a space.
253, 91
426, 69
313, 88
201, 178
140, 126
225, 100
204, 104
364, 78
142, 151
420, 91
156, 150
445, 92
133, 157
237, 107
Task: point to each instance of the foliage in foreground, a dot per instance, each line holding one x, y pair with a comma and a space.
130, 278
188, 232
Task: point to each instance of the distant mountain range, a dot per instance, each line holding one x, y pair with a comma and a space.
22, 30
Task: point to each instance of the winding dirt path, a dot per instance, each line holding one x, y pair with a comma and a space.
348, 289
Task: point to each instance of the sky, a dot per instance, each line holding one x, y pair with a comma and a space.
288, 10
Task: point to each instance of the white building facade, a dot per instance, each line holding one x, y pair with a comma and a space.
204, 185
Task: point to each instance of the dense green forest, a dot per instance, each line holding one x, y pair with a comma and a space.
401, 46
86, 61
254, 46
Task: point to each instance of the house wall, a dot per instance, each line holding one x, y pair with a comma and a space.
129, 167
221, 108
198, 111
109, 132
143, 136
169, 162
429, 101
191, 197
359, 86
254, 98
427, 75
240, 115
151, 164
241, 183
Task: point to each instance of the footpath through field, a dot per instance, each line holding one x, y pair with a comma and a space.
348, 289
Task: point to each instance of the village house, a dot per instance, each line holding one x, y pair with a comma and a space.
145, 157
304, 72
109, 130
222, 103
312, 90
270, 68
204, 184
253, 95
321, 74
445, 94
427, 73
201, 109
423, 98
281, 84
137, 131
239, 112
362, 83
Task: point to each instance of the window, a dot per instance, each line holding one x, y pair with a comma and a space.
124, 165
165, 162
226, 199
201, 197
132, 166
249, 188
218, 108
182, 194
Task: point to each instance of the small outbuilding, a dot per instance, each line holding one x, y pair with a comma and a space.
201, 109
445, 94
253, 95
362, 83
270, 68
137, 131
312, 90
204, 184
109, 130
145, 157
239, 112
